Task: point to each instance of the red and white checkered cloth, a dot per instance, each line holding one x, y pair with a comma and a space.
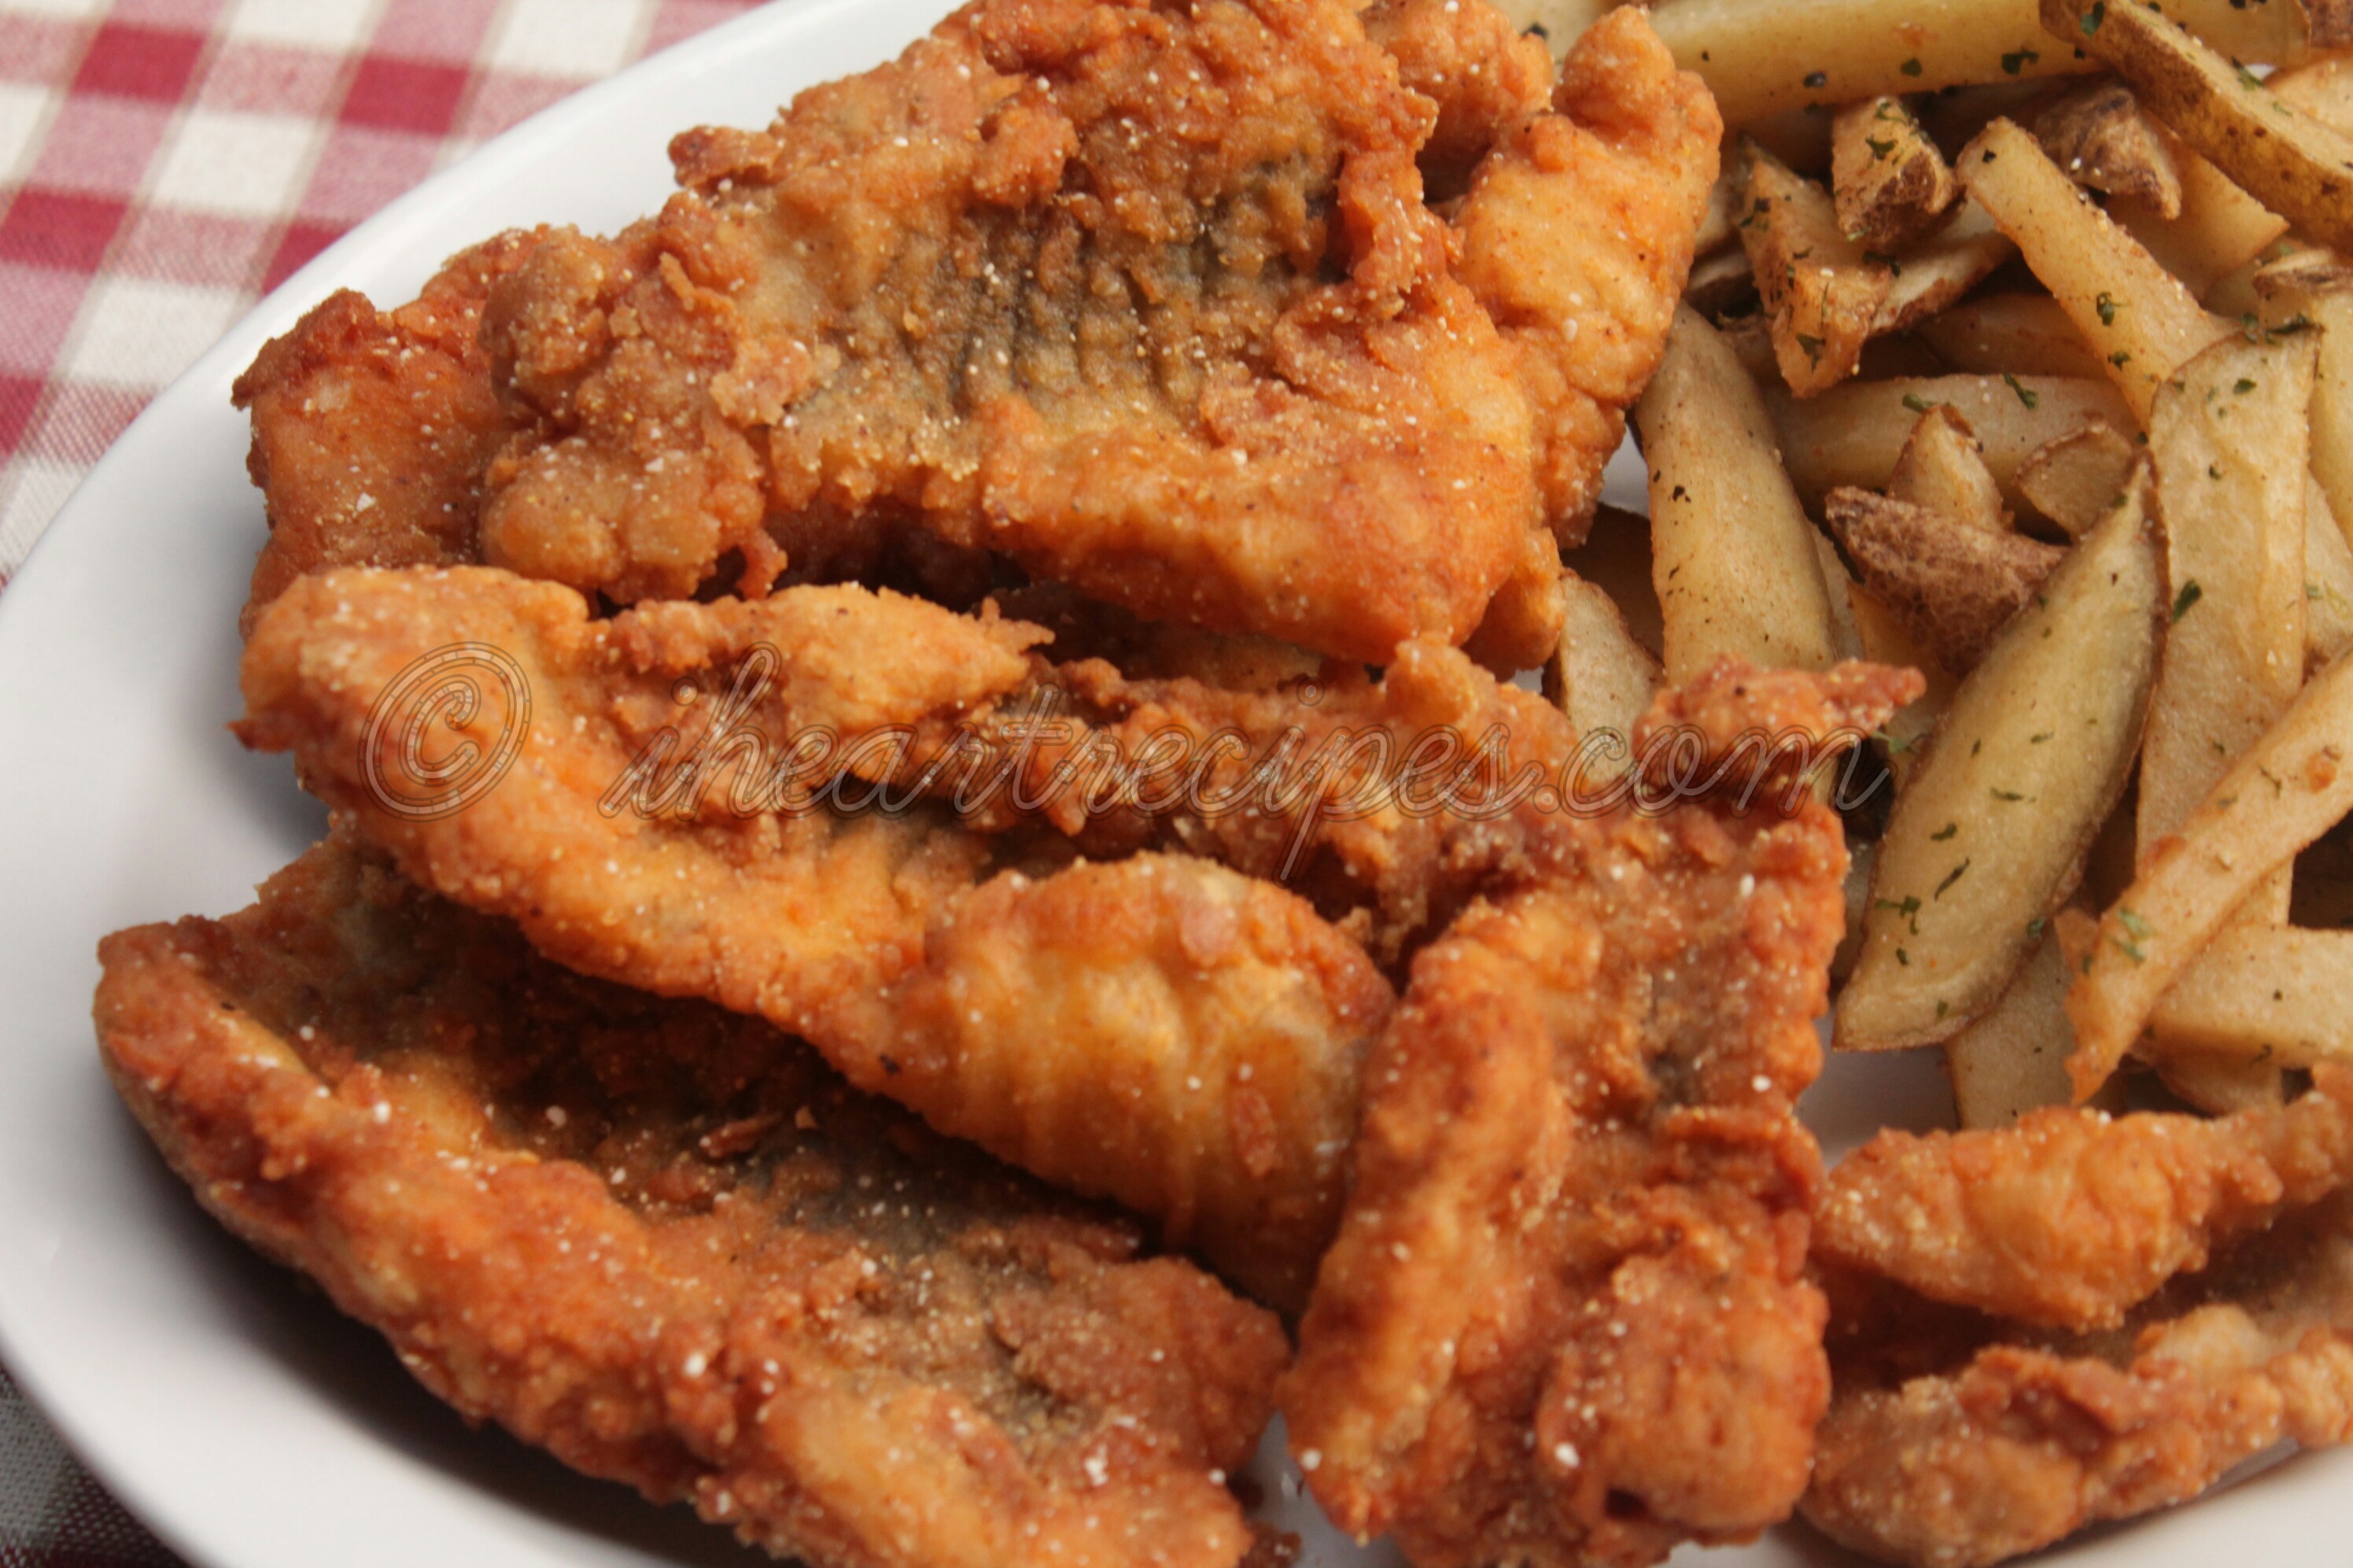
163, 163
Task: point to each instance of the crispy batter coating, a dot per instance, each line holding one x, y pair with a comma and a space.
1147, 297
666, 1243
2073, 1217
372, 430
1567, 1319
2017, 1441
1162, 1029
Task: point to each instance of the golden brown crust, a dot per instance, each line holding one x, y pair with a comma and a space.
667, 1244
1567, 1319
1961, 1444
1185, 998
1038, 288
371, 429
2072, 1218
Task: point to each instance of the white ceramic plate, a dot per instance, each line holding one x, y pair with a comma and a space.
224, 1402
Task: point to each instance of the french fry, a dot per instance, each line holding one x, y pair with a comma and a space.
2293, 786
1599, 677
1763, 56
1821, 295
1990, 832
1888, 181
1884, 640
1935, 273
1616, 557
2332, 400
1732, 551
2327, 583
2277, 995
1943, 470
2292, 162
2220, 228
2322, 88
2025, 335
1953, 584
1846, 640
1852, 435
2075, 481
2135, 316
2230, 444
2100, 136
2014, 1059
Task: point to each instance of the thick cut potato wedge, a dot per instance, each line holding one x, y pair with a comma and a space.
1990, 835
1616, 557
1954, 585
1822, 296
2137, 316
1846, 639
2332, 401
2229, 442
2327, 584
1763, 56
1890, 184
2221, 229
1599, 677
2292, 162
2278, 996
1934, 274
1943, 469
2075, 480
1732, 551
2100, 135
1854, 435
2282, 795
2025, 335
2014, 1059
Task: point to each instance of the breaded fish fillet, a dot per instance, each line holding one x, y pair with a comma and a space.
2017, 1440
1152, 298
2072, 1218
1567, 1320
666, 1243
1161, 1030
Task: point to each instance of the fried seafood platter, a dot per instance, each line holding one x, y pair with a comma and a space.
1002, 802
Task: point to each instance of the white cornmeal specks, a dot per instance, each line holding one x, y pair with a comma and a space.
1565, 1454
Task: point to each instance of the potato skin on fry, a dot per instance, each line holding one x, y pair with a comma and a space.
1988, 836
1891, 184
1956, 586
2293, 164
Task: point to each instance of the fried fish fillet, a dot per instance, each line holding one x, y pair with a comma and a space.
1161, 1030
1567, 1319
2072, 1218
666, 1243
1151, 297
2017, 1440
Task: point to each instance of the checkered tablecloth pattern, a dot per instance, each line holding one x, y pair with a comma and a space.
163, 163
